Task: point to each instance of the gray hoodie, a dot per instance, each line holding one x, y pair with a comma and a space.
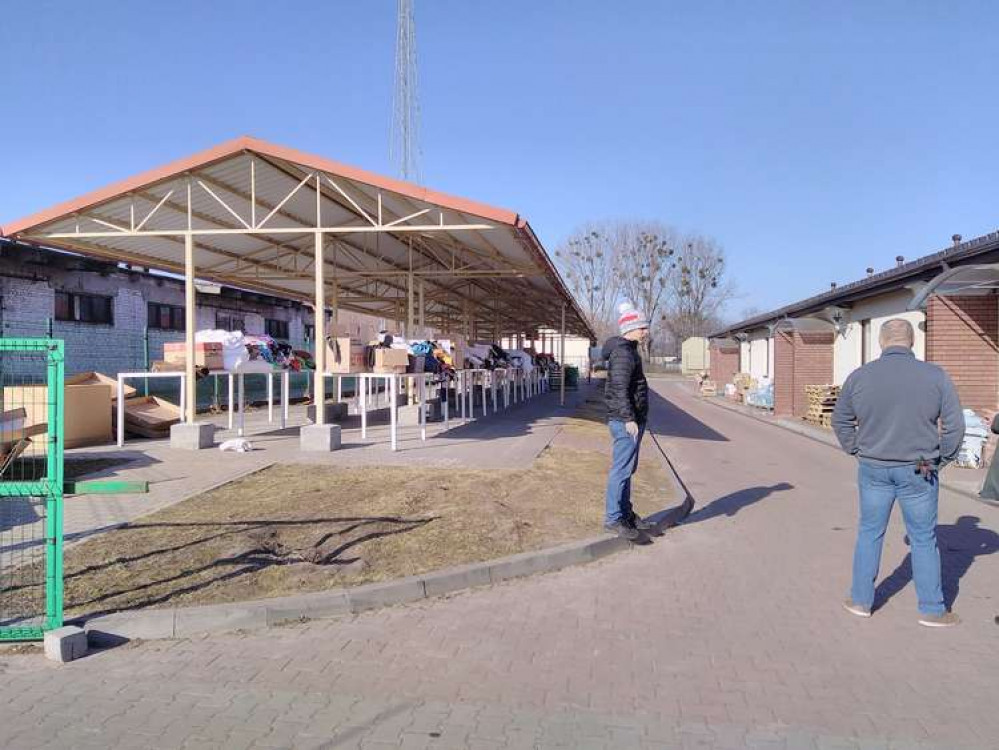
896, 410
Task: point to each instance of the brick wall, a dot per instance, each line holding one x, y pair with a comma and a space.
724, 364
783, 373
800, 359
813, 365
962, 336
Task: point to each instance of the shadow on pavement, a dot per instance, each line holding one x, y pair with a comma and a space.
960, 543
731, 504
669, 420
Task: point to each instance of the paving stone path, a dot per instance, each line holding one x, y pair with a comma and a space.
726, 634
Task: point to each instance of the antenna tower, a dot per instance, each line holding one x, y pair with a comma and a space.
404, 149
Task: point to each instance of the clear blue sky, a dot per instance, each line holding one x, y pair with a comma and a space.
812, 139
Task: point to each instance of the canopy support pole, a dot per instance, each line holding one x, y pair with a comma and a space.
319, 396
190, 386
561, 358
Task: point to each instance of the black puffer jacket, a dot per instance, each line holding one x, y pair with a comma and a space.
627, 391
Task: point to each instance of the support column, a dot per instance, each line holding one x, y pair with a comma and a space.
187, 435
190, 322
422, 320
320, 319
562, 359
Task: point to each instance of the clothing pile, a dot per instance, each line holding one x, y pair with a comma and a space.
976, 433
486, 357
238, 348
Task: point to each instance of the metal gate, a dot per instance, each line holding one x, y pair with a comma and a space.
31, 487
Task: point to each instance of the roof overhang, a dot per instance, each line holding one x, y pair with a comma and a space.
254, 211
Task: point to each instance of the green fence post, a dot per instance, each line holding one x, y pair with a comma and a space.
53, 514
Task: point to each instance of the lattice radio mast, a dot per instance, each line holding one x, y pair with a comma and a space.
404, 149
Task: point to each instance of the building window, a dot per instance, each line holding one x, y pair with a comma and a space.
166, 317
84, 308
277, 329
310, 332
228, 321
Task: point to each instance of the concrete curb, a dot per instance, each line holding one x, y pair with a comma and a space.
805, 432
182, 622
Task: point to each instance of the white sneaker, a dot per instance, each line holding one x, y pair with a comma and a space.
856, 609
946, 620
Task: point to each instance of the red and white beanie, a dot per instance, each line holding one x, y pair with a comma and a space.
630, 318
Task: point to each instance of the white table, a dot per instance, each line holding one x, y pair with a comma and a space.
393, 381
251, 368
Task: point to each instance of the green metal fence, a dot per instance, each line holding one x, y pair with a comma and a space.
31, 487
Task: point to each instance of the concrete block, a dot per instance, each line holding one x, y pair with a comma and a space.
150, 625
334, 412
607, 545
66, 643
377, 595
319, 438
192, 437
516, 566
457, 578
307, 607
218, 617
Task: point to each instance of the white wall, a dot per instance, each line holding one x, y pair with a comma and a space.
759, 357
744, 356
847, 355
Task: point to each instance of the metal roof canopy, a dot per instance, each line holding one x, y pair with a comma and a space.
272, 219
978, 279
254, 208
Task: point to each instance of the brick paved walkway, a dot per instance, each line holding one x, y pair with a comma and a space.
728, 634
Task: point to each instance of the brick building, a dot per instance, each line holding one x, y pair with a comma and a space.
951, 297
114, 318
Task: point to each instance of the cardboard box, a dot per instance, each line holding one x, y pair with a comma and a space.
150, 417
391, 360
86, 412
99, 378
346, 357
206, 354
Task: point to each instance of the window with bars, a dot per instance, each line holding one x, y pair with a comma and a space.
277, 329
166, 317
74, 307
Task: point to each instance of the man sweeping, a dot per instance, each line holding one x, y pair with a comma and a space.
627, 396
902, 419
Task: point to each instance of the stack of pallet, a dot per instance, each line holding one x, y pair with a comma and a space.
821, 403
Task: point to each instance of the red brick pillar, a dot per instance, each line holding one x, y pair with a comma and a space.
724, 363
962, 336
813, 365
783, 373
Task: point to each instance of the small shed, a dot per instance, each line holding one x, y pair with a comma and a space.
694, 356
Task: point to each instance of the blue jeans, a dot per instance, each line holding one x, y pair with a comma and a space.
879, 488
623, 465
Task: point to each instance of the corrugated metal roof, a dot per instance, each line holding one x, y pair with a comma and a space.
251, 261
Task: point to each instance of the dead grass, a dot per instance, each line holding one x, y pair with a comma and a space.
293, 528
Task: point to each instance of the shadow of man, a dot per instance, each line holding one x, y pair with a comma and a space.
960, 543
731, 504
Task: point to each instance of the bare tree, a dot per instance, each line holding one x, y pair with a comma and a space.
587, 261
698, 290
678, 281
645, 263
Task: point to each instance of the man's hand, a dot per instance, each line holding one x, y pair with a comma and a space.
632, 428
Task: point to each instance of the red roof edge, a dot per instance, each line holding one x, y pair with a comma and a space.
249, 143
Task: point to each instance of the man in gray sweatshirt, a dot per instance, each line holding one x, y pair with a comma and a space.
902, 419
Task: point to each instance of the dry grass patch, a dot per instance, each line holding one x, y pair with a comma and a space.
295, 528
